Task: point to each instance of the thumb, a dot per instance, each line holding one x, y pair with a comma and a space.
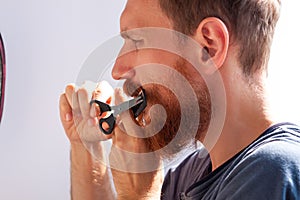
125, 120
126, 134
120, 96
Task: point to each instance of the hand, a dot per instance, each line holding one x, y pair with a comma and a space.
135, 176
89, 178
79, 121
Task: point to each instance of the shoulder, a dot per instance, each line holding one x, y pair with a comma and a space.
269, 168
278, 148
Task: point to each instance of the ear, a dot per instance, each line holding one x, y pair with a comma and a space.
212, 34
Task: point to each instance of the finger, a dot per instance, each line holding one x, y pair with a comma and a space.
75, 105
127, 131
70, 91
120, 138
119, 98
83, 102
103, 92
125, 120
95, 110
65, 111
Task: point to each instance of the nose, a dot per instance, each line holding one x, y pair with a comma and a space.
123, 67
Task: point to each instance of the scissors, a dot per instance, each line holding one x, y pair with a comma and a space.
137, 105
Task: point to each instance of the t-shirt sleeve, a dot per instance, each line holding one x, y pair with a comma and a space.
270, 172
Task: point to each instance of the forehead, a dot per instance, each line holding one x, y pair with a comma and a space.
143, 13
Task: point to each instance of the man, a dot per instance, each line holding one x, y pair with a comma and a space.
254, 157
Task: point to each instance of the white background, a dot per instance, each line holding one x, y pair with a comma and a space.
46, 43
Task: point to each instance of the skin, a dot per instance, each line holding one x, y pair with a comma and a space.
247, 110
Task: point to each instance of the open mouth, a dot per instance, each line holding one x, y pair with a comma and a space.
135, 90
139, 108
137, 111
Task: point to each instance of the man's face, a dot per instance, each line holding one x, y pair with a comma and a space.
158, 72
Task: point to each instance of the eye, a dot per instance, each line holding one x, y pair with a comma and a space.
137, 43
133, 39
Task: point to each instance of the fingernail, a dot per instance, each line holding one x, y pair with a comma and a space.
68, 117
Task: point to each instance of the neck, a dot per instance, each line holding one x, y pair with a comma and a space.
247, 116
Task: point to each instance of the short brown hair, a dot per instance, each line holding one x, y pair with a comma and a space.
251, 24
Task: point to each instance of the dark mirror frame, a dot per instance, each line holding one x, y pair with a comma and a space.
2, 76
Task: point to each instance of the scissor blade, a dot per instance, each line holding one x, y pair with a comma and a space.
126, 105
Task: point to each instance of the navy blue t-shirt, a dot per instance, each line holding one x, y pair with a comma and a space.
269, 168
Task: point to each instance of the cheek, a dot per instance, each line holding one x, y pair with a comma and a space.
167, 99
174, 107
148, 56
158, 94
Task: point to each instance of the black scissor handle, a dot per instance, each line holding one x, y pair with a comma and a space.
104, 107
110, 120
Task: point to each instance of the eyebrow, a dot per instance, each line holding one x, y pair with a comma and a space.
128, 34
124, 35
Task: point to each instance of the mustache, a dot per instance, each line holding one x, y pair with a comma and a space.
132, 88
